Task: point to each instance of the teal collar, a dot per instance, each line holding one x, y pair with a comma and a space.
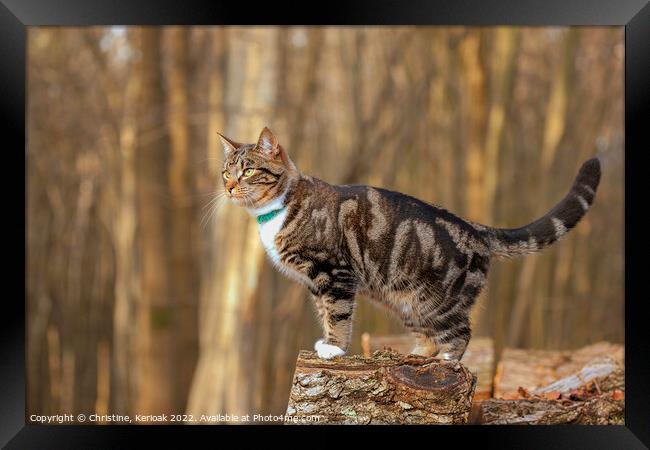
268, 216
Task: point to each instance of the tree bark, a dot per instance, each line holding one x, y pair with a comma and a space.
386, 388
479, 357
603, 410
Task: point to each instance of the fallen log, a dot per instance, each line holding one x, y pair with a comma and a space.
605, 374
607, 409
594, 394
385, 388
532, 369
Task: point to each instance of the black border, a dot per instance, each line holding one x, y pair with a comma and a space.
16, 15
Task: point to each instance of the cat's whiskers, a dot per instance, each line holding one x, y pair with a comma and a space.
212, 206
214, 199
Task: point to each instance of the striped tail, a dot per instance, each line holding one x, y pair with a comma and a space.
554, 224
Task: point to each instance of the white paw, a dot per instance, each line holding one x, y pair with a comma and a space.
419, 351
327, 351
427, 351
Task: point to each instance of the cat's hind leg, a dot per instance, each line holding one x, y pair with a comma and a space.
453, 341
424, 345
449, 321
447, 341
450, 325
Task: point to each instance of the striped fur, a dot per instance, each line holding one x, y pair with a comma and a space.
553, 225
422, 262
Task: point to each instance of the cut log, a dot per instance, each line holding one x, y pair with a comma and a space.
607, 409
605, 374
478, 358
385, 388
532, 369
593, 394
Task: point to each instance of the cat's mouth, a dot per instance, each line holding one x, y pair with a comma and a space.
240, 196
240, 199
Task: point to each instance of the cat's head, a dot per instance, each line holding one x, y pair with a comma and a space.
254, 174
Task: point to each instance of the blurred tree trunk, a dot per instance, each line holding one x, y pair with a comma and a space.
209, 301
554, 126
440, 117
123, 228
473, 107
278, 315
156, 347
502, 75
216, 96
474, 110
223, 379
183, 264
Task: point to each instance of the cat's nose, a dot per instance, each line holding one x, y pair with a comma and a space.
230, 187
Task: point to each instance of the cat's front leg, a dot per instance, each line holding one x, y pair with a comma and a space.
335, 312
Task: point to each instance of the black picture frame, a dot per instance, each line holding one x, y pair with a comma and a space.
634, 15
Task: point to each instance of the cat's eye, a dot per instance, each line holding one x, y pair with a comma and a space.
248, 172
226, 175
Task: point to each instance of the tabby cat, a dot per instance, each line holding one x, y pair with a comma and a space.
422, 262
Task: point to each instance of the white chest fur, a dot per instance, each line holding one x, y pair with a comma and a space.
269, 230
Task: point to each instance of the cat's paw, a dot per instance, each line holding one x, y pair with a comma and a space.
427, 351
327, 351
448, 357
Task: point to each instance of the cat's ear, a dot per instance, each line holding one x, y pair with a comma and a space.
270, 146
268, 143
228, 144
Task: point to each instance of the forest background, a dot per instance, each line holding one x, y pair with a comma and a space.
146, 296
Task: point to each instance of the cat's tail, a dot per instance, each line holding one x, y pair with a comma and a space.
554, 224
